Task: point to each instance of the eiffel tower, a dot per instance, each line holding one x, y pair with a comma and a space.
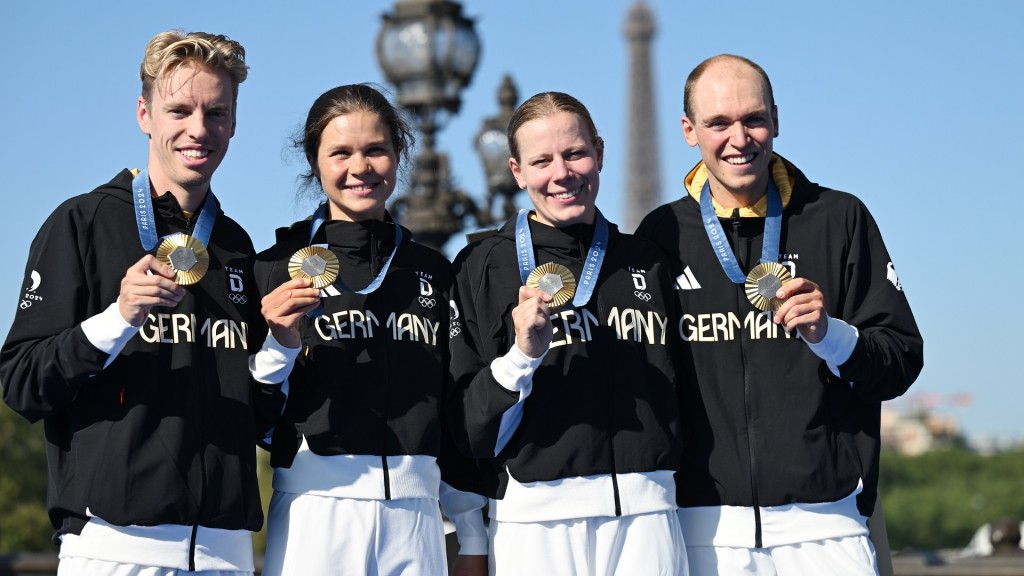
643, 182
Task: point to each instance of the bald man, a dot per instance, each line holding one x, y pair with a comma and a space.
797, 329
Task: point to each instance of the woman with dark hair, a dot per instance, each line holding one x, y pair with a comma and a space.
563, 356
359, 322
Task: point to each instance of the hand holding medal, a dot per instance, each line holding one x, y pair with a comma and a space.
763, 283
531, 320
146, 284
803, 309
554, 280
321, 266
185, 254
315, 263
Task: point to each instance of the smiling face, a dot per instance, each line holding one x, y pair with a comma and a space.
190, 119
357, 165
559, 167
734, 124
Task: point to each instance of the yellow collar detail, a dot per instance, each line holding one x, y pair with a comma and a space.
781, 174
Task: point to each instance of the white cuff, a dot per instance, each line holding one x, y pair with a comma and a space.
465, 510
837, 345
273, 363
109, 332
514, 371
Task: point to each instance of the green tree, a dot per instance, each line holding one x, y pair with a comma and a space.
939, 499
24, 525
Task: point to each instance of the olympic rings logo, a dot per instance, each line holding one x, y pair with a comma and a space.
645, 296
238, 298
455, 331
25, 304
427, 302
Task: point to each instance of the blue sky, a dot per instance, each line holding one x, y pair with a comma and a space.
914, 106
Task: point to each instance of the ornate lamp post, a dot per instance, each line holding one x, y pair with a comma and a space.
428, 50
492, 145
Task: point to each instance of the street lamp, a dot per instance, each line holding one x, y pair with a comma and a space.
428, 50
492, 145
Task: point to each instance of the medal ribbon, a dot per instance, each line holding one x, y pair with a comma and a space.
146, 220
591, 264
772, 232
320, 216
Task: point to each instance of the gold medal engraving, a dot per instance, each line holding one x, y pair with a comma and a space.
555, 280
316, 263
186, 255
763, 282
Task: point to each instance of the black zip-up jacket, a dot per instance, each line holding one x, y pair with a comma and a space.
768, 423
603, 399
165, 434
373, 376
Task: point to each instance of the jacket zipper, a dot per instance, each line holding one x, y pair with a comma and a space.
615, 490
616, 496
746, 394
192, 549
387, 389
203, 475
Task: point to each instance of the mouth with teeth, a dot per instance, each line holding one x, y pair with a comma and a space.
741, 160
568, 194
361, 188
193, 154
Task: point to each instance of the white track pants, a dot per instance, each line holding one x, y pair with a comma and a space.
321, 535
852, 556
640, 545
75, 566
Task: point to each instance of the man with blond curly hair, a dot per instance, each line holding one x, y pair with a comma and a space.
132, 342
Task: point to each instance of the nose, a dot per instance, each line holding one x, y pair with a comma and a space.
559, 168
360, 163
197, 127
738, 135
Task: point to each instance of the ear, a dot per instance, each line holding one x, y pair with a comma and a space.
599, 145
142, 116
775, 120
689, 131
513, 165
313, 167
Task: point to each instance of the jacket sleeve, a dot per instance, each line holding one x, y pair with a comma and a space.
889, 352
47, 356
485, 411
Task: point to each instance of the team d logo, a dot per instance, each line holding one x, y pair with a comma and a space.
426, 297
640, 285
236, 287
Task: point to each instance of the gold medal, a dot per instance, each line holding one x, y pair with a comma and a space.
186, 255
318, 264
764, 282
555, 280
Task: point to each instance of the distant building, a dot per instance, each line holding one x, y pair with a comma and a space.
914, 433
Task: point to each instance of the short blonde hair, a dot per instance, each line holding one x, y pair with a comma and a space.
170, 50
544, 105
